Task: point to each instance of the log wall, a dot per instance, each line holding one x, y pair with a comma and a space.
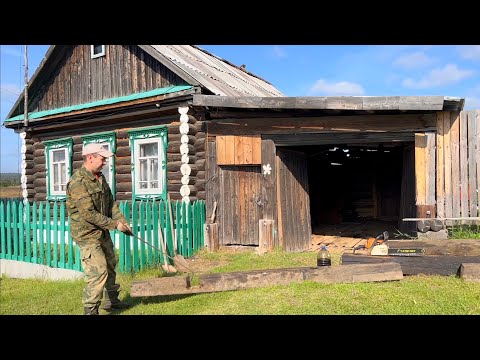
35, 162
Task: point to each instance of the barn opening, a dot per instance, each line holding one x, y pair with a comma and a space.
360, 190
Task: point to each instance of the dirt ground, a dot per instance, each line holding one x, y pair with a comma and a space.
10, 192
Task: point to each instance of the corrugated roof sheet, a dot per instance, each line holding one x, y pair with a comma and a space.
216, 74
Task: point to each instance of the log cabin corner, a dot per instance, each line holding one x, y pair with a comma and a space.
272, 170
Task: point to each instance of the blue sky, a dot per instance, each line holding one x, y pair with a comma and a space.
300, 70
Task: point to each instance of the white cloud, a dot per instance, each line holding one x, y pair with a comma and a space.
279, 52
10, 50
447, 75
413, 60
470, 52
322, 87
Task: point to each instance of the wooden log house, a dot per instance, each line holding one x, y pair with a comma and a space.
271, 168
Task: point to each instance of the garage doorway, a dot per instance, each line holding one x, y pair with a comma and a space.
360, 190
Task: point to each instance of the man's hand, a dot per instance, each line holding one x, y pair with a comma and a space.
124, 228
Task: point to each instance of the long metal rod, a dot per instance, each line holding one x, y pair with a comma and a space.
443, 219
171, 258
25, 90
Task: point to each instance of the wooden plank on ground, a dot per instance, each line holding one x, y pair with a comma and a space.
415, 265
470, 272
268, 277
440, 247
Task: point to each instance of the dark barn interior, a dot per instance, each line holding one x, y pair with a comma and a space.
356, 189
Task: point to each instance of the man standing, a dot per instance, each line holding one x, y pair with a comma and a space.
92, 213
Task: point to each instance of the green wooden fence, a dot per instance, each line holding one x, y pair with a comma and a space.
39, 233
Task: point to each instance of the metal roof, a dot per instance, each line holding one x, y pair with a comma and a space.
216, 74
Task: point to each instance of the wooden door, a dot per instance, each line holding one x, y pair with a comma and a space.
294, 225
240, 205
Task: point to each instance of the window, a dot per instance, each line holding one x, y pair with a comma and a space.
58, 155
149, 171
107, 139
97, 51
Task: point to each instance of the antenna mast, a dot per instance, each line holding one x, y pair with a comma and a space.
25, 92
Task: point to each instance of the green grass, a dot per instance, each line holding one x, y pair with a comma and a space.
464, 232
412, 295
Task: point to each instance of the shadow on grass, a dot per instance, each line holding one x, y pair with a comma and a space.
145, 300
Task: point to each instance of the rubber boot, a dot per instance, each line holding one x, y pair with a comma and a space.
112, 302
93, 310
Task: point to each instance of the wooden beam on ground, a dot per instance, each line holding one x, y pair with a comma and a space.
470, 272
415, 265
440, 247
258, 278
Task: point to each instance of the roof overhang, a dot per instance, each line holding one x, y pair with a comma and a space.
367, 103
117, 103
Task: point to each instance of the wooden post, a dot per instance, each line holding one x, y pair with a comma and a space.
265, 237
469, 272
211, 237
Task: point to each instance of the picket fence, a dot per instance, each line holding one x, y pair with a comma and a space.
38, 233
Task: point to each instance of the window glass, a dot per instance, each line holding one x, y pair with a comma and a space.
148, 147
97, 49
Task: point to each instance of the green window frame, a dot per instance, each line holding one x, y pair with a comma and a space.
58, 191
156, 188
106, 138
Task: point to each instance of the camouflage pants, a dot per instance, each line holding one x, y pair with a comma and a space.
98, 262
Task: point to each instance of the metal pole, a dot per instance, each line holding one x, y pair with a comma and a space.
25, 91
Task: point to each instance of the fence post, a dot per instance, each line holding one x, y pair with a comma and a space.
128, 241
2, 230
55, 233
48, 252
28, 255
62, 235
34, 227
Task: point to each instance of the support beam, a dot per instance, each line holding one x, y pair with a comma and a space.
414, 265
259, 278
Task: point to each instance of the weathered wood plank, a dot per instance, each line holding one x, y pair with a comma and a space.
421, 103
420, 191
381, 103
430, 169
344, 103
330, 102
440, 247
226, 124
463, 195
470, 272
414, 265
265, 236
211, 237
268, 277
269, 182
211, 180
440, 167
447, 164
472, 161
455, 161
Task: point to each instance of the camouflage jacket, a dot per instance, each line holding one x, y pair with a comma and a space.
91, 207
